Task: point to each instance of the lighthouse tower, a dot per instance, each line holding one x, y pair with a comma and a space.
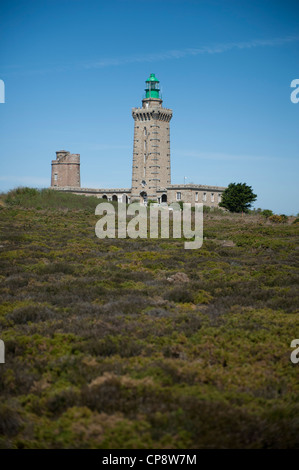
151, 150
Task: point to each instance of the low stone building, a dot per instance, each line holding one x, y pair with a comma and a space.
151, 166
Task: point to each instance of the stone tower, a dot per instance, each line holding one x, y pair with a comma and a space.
66, 170
151, 150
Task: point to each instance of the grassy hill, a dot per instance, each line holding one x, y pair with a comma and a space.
105, 349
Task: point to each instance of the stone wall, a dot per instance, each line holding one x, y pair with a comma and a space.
111, 194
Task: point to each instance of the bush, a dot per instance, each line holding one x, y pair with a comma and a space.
202, 297
267, 213
30, 313
180, 294
10, 420
206, 209
278, 219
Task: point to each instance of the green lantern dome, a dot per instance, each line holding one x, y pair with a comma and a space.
152, 89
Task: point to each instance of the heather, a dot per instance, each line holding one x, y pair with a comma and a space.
122, 343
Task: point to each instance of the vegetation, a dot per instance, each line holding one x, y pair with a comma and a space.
267, 213
237, 197
103, 351
49, 199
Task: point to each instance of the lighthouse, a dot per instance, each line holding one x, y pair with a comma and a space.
151, 172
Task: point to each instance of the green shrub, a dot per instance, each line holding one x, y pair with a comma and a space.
267, 213
278, 219
202, 297
206, 209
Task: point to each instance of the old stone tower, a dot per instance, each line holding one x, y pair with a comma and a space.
151, 149
66, 169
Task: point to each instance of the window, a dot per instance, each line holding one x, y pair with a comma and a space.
178, 196
55, 176
212, 197
204, 197
219, 197
196, 196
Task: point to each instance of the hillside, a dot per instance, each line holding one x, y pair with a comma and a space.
107, 348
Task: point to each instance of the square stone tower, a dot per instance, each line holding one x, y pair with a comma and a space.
66, 169
151, 149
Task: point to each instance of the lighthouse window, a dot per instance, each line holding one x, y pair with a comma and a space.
55, 176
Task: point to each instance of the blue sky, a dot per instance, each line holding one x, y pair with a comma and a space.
73, 69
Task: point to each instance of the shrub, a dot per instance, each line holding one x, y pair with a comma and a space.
62, 400
53, 268
179, 294
10, 420
278, 219
267, 213
30, 313
202, 297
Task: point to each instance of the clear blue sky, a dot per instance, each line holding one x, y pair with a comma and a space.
73, 69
